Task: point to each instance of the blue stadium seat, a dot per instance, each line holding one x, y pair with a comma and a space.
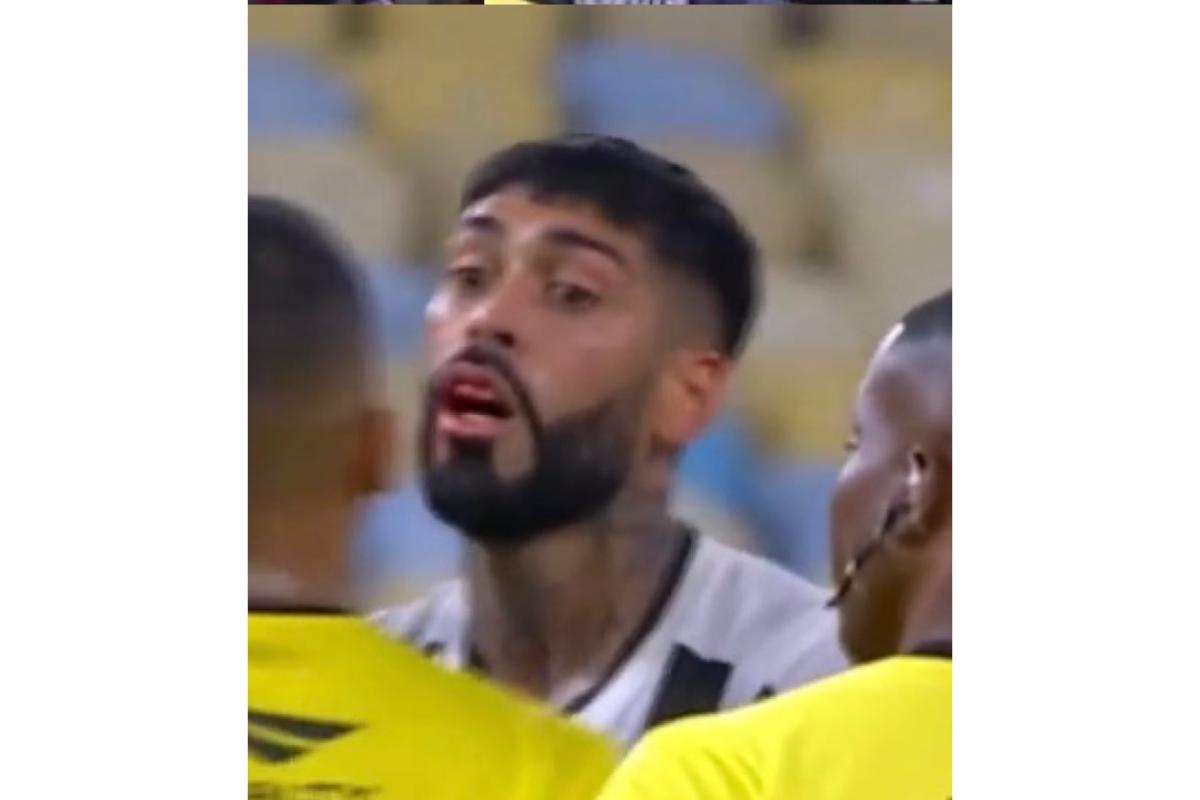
399, 296
400, 542
721, 464
793, 508
291, 94
649, 92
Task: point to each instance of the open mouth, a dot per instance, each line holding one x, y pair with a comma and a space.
473, 403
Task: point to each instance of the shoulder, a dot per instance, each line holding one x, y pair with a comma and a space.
426, 617
861, 692
579, 760
731, 754
769, 618
734, 572
561, 757
703, 757
739, 740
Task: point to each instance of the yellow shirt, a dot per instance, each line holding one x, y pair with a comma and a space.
877, 732
337, 712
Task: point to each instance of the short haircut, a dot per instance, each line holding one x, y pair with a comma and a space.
687, 225
307, 326
929, 320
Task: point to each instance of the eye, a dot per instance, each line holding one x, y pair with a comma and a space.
467, 279
571, 296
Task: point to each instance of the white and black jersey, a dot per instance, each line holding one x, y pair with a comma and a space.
728, 628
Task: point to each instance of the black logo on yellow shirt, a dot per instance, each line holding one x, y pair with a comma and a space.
278, 739
262, 790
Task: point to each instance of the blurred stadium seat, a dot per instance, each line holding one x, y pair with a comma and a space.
756, 184
340, 180
721, 465
793, 514
310, 29
420, 86
399, 295
746, 33
809, 313
872, 30
402, 549
647, 92
290, 94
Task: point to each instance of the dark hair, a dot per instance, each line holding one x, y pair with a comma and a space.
688, 226
306, 313
929, 320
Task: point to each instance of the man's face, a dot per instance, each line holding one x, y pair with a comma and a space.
542, 349
871, 498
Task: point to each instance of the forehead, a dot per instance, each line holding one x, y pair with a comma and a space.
906, 388
515, 213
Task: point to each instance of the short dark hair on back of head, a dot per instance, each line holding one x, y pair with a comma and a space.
688, 226
929, 320
306, 319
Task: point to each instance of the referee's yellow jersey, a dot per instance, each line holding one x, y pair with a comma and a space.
876, 732
337, 711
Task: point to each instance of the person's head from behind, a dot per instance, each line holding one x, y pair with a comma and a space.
594, 298
891, 511
316, 444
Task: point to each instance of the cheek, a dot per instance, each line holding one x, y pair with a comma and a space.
443, 329
576, 369
855, 509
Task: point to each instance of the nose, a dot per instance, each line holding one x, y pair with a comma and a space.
504, 338
498, 318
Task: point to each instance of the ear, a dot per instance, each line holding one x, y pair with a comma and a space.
689, 395
373, 462
927, 494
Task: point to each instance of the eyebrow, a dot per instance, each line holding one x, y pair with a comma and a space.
485, 223
564, 237
475, 223
568, 237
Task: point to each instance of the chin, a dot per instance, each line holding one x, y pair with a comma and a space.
863, 638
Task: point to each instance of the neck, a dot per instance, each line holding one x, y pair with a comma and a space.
551, 617
298, 560
930, 616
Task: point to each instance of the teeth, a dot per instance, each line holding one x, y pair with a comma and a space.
472, 402
480, 392
469, 398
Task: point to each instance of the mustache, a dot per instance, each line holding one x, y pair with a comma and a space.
495, 359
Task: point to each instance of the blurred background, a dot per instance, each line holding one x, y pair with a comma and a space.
826, 128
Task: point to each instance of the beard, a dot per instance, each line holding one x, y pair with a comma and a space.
580, 464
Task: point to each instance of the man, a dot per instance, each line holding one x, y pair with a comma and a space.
336, 709
882, 729
594, 299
